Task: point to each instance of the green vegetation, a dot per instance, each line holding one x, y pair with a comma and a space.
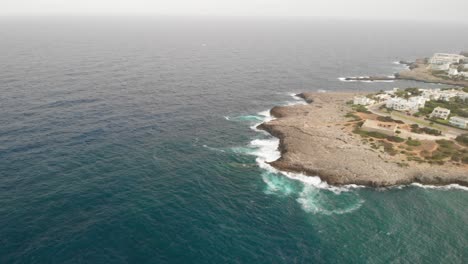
369, 134
457, 106
413, 143
388, 147
395, 139
353, 116
361, 109
445, 150
408, 92
448, 149
389, 119
430, 131
463, 139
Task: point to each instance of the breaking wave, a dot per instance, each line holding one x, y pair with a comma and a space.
344, 79
314, 195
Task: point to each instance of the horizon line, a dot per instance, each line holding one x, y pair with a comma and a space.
223, 16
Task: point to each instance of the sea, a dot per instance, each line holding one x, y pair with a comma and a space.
134, 140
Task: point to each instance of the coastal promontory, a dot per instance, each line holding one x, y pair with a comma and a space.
324, 138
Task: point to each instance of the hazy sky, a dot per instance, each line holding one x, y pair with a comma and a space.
385, 9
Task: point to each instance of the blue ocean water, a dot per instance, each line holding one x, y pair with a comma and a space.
131, 140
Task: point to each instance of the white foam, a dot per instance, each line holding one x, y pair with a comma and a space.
213, 149
343, 79
227, 118
444, 187
314, 201
401, 65
267, 151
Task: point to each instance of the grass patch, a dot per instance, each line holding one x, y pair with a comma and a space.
413, 142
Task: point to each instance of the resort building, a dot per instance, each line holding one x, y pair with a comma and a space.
440, 112
445, 58
380, 127
459, 122
412, 104
362, 100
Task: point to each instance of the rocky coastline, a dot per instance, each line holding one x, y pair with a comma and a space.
315, 139
417, 71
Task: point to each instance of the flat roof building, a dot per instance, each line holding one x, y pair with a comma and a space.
444, 58
440, 112
458, 121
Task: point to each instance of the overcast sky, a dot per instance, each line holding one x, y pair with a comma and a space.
455, 10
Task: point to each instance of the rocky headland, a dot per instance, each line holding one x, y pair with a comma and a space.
316, 139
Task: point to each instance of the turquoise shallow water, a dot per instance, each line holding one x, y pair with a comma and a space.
131, 141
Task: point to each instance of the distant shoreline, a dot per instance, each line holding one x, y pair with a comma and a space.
417, 71
315, 139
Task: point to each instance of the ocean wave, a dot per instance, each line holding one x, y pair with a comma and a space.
343, 79
287, 184
444, 187
401, 65
315, 201
278, 184
248, 118
213, 149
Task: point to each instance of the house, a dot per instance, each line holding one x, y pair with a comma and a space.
431, 94
412, 104
440, 67
445, 58
459, 122
362, 100
380, 127
393, 91
383, 97
440, 112
453, 72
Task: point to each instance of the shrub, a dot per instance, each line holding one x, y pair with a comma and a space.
389, 119
395, 139
361, 109
412, 142
462, 139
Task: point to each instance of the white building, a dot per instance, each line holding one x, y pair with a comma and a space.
383, 97
446, 95
445, 58
440, 112
431, 94
412, 104
452, 72
440, 67
362, 100
459, 122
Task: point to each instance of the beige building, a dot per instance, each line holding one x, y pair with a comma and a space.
440, 112
381, 127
